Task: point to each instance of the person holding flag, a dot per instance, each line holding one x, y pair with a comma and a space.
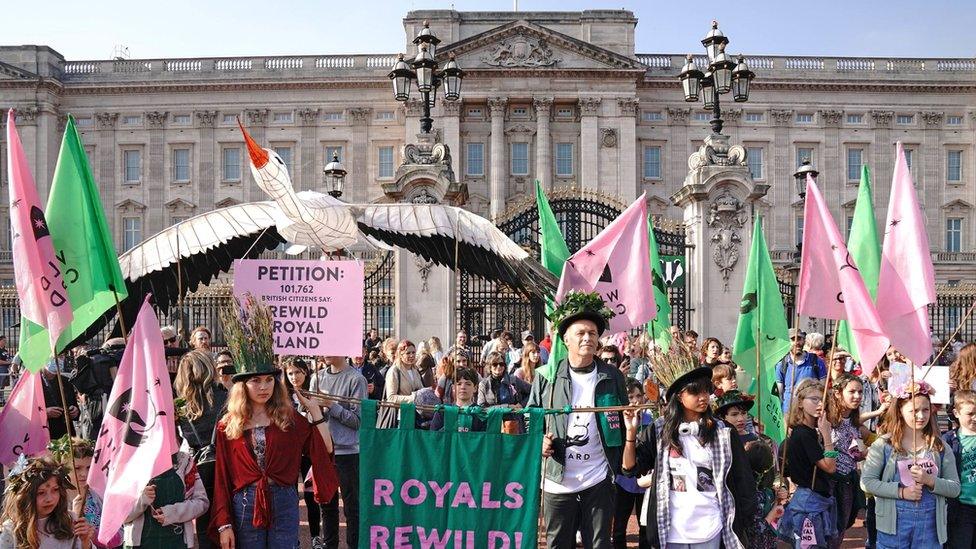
261, 440
581, 449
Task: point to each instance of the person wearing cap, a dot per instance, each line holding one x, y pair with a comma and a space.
56, 426
516, 355
261, 440
704, 493
582, 450
796, 366
733, 407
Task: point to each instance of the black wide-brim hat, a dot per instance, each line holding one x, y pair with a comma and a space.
593, 316
689, 377
264, 370
733, 398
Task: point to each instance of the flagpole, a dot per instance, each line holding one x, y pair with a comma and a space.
118, 308
830, 361
758, 340
65, 414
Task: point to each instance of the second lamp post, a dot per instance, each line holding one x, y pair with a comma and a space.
722, 76
425, 71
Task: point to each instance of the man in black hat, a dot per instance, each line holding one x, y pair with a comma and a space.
582, 449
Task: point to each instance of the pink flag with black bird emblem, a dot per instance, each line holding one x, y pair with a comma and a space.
830, 284
40, 285
138, 436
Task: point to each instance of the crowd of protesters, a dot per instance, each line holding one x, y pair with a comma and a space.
693, 468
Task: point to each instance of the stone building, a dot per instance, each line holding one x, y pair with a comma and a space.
562, 97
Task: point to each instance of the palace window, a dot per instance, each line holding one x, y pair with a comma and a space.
475, 159
953, 234
754, 157
905, 119
953, 121
855, 119
131, 120
283, 117
803, 153
564, 159
703, 116
385, 115
181, 120
181, 165
804, 118
333, 116
229, 119
954, 166
132, 163
520, 159
799, 230
386, 161
652, 162
230, 160
652, 116
754, 117
131, 232
335, 150
854, 162
83, 122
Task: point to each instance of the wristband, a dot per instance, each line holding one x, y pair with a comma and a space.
222, 528
320, 421
634, 440
831, 454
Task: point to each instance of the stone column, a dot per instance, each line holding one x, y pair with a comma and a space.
257, 126
543, 141
589, 142
628, 184
931, 187
451, 121
206, 156
499, 170
358, 155
717, 198
310, 145
105, 150
883, 167
155, 171
783, 237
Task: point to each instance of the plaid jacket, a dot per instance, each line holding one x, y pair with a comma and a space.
733, 481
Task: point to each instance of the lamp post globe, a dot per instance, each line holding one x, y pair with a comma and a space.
721, 69
691, 79
452, 76
334, 175
426, 38
800, 176
401, 75
714, 41
741, 77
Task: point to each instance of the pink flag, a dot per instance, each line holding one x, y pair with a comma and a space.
23, 421
43, 298
617, 265
830, 284
906, 283
138, 435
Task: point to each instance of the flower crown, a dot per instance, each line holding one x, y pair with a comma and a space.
577, 302
33, 472
919, 387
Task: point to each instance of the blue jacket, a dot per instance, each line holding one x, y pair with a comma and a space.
790, 373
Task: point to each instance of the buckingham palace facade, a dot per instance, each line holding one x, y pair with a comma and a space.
559, 97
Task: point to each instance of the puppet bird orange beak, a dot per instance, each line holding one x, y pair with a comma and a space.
259, 156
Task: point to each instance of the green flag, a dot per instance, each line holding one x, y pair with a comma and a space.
554, 254
762, 318
83, 246
659, 328
865, 249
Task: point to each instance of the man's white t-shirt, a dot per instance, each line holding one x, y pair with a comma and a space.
586, 464
693, 505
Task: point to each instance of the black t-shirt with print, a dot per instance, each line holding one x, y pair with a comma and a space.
803, 451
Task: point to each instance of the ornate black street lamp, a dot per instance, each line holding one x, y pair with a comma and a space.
333, 176
800, 178
424, 70
722, 76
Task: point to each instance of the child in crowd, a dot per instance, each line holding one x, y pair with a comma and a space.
630, 495
733, 407
844, 413
723, 377
163, 516
962, 442
83, 450
35, 509
769, 506
465, 387
911, 473
810, 460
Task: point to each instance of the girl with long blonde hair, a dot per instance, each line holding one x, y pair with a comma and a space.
962, 371
402, 381
260, 443
810, 461
531, 360
911, 473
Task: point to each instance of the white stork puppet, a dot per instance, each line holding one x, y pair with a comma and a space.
198, 249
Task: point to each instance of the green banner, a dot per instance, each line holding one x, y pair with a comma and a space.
448, 488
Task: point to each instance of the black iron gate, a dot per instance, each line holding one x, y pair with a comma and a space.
483, 305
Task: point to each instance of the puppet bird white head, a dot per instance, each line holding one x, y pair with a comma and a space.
310, 218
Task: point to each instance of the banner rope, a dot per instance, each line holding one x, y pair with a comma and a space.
442, 407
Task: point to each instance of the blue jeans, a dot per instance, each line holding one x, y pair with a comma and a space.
914, 525
283, 533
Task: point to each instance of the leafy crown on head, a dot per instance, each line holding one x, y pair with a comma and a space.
577, 302
247, 327
670, 366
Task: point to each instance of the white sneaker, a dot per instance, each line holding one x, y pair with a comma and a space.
318, 542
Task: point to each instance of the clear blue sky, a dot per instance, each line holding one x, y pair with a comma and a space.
198, 28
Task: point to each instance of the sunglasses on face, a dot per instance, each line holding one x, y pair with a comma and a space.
497, 363
170, 340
